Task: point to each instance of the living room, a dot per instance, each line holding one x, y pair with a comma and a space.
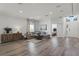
17, 20
39, 29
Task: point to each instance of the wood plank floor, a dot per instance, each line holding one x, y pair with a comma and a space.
56, 46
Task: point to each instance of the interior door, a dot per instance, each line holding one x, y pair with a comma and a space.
72, 29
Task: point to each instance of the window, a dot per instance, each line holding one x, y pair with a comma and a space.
71, 18
31, 27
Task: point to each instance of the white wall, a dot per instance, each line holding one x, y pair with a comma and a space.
46, 20
17, 24
59, 29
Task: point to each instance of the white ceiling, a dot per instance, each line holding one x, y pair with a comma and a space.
26, 10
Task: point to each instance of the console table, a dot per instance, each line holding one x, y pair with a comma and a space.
10, 37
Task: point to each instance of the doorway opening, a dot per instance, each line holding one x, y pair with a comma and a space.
54, 29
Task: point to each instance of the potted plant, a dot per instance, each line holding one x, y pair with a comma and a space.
7, 29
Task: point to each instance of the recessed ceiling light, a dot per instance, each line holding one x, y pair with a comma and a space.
50, 13
20, 11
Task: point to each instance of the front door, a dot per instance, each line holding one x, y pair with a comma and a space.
71, 29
